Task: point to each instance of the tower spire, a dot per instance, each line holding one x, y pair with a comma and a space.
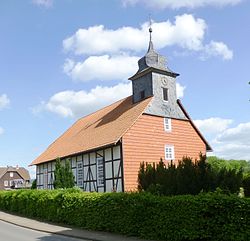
150, 46
152, 59
150, 28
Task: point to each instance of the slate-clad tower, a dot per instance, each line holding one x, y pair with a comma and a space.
154, 78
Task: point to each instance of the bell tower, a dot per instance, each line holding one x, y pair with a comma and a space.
155, 79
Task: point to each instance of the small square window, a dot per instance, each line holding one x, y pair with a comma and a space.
167, 124
165, 94
6, 183
169, 152
142, 93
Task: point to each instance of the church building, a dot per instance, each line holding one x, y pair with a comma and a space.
105, 148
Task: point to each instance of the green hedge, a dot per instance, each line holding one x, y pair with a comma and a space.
201, 217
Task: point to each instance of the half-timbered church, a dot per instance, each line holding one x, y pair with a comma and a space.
105, 148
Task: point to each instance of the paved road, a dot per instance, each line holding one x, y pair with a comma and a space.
10, 232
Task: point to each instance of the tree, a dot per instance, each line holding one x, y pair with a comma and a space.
33, 186
239, 165
64, 177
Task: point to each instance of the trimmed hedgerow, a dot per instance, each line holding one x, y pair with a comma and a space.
202, 217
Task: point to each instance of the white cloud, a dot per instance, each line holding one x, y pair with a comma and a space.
80, 103
1, 130
4, 101
174, 4
43, 3
218, 49
103, 68
227, 142
213, 125
237, 135
232, 151
98, 40
186, 32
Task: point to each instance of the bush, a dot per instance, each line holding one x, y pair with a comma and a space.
246, 186
201, 217
188, 177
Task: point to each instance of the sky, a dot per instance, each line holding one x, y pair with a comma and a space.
63, 59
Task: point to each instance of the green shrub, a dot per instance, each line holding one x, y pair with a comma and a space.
211, 216
188, 177
246, 186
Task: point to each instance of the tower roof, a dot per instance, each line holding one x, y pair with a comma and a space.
153, 59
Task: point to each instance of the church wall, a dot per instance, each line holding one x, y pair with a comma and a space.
99, 171
146, 140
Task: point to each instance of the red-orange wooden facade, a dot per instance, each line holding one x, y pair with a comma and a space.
146, 140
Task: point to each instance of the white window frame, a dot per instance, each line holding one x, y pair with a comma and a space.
11, 174
6, 183
167, 124
169, 152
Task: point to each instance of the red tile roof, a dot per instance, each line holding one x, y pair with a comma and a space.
101, 128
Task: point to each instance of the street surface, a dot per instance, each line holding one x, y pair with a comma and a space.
10, 232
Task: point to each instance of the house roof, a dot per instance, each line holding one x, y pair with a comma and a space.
2, 171
101, 128
24, 173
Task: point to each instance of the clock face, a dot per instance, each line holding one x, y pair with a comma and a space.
164, 80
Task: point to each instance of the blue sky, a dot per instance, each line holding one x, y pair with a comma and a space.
61, 60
